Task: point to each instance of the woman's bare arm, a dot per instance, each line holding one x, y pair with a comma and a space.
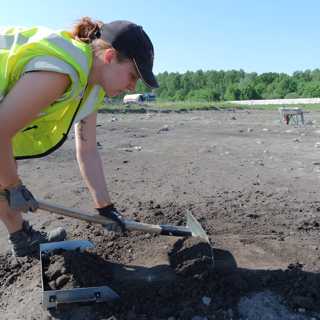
89, 160
31, 94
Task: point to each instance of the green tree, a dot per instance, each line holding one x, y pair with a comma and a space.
232, 93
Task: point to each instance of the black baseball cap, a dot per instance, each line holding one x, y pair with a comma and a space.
130, 40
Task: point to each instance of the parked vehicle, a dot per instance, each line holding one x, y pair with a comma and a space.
149, 96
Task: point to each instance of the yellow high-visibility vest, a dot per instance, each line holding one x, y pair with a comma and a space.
38, 49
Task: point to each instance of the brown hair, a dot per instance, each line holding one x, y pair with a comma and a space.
88, 31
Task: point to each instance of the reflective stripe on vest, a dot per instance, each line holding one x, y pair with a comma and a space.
70, 49
88, 105
7, 41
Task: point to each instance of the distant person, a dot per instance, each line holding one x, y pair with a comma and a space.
50, 80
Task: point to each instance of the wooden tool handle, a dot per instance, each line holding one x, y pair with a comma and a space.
131, 225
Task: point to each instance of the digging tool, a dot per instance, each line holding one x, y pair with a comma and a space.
192, 229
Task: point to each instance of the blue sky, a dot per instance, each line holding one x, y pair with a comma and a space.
253, 35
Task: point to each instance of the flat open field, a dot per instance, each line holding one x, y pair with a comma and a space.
250, 180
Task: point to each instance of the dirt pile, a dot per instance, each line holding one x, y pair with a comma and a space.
11, 269
191, 257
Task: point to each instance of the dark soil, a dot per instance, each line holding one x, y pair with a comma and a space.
182, 297
190, 258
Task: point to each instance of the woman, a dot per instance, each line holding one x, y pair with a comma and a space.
49, 81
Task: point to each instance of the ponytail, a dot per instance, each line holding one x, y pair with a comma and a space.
86, 30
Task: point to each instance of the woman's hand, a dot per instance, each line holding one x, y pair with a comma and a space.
20, 198
113, 214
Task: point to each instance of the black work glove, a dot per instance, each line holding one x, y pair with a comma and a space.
112, 213
20, 198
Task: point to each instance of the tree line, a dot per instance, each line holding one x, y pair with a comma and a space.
235, 85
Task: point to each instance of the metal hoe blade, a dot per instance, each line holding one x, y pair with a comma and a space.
197, 231
195, 227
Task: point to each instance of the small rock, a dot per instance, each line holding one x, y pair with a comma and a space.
296, 140
97, 233
206, 300
253, 215
62, 280
249, 129
317, 145
52, 285
63, 270
164, 129
110, 244
265, 129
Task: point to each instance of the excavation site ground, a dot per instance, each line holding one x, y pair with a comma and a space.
250, 180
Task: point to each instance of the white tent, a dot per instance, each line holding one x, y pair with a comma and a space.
133, 98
